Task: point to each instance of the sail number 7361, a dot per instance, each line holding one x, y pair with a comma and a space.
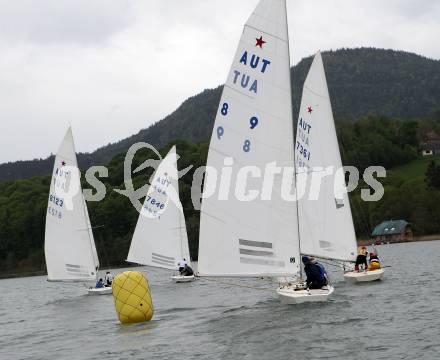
303, 151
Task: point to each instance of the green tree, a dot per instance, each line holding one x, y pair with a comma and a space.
433, 175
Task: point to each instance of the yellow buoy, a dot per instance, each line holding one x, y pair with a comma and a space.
132, 296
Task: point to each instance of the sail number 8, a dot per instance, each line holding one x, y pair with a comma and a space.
225, 108
247, 146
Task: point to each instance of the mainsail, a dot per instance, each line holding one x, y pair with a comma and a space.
69, 246
253, 127
326, 224
160, 237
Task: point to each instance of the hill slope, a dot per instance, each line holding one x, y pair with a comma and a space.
361, 81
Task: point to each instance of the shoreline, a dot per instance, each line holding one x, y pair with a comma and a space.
369, 242
360, 242
32, 273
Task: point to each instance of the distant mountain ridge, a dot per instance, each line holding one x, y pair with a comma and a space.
361, 81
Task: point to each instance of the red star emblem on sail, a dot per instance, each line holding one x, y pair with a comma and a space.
309, 109
260, 42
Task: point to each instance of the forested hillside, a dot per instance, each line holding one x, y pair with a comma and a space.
372, 140
361, 81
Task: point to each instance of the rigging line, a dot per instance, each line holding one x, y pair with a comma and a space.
338, 265
104, 248
363, 217
294, 130
235, 284
361, 213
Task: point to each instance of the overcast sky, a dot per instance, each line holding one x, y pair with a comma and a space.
113, 67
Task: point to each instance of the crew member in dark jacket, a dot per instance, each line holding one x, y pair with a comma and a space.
99, 284
187, 271
315, 278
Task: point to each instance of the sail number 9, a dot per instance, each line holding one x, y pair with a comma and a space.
220, 132
253, 122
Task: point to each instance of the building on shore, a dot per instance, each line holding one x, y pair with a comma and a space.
431, 144
393, 231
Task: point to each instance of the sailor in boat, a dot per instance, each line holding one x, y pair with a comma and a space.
99, 284
108, 279
187, 271
321, 267
361, 260
181, 264
374, 261
315, 276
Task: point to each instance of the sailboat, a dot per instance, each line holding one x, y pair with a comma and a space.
160, 238
326, 223
69, 245
365, 275
256, 236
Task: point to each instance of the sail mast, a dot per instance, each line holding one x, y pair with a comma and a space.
294, 156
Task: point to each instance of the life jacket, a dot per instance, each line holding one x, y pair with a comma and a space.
374, 262
374, 265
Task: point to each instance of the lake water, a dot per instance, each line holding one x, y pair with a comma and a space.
397, 318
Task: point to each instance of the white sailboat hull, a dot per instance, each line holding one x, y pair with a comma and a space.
100, 291
182, 279
288, 294
364, 276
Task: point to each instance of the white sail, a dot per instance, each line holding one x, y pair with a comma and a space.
160, 237
69, 246
326, 224
253, 127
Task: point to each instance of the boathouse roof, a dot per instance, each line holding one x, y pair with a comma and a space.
390, 227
